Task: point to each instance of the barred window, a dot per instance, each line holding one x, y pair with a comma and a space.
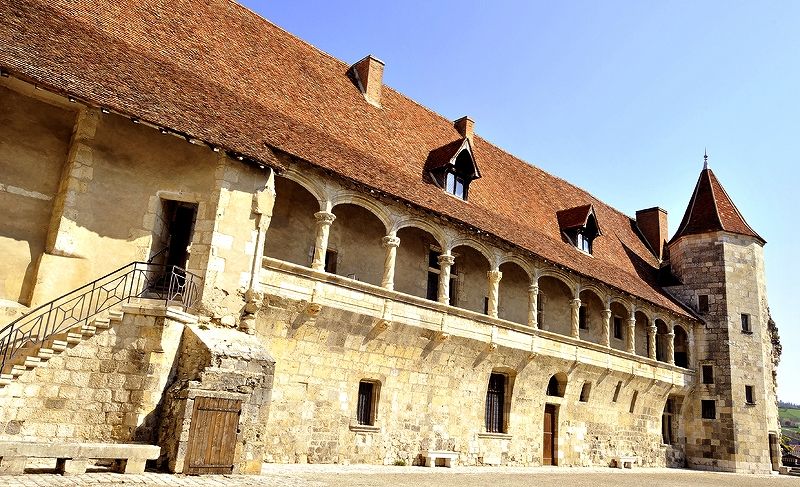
367, 408
495, 403
708, 409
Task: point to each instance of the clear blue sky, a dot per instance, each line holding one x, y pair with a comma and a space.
619, 98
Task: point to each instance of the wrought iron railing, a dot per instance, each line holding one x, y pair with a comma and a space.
171, 284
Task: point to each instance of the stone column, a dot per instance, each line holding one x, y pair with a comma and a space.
671, 345
445, 261
690, 348
632, 334
494, 277
533, 305
390, 243
651, 341
576, 325
263, 203
606, 327
324, 221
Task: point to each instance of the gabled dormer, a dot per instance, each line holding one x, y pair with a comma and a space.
452, 167
579, 226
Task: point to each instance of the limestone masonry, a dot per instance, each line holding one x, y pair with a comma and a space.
224, 242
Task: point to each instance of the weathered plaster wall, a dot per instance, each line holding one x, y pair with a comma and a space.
411, 268
473, 283
556, 297
356, 237
513, 302
292, 229
594, 317
34, 141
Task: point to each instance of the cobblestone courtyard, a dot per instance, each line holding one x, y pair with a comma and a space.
335, 475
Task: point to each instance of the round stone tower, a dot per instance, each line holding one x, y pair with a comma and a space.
731, 417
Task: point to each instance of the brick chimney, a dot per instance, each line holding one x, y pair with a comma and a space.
652, 222
368, 74
465, 127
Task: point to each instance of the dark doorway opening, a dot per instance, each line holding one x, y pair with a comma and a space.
173, 233
550, 439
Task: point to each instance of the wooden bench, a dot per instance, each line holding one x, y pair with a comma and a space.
73, 458
431, 456
625, 461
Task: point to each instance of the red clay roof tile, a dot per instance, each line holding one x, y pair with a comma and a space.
217, 71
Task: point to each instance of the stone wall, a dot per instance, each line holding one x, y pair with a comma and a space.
105, 388
433, 389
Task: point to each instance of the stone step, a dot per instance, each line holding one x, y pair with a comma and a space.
31, 362
59, 345
115, 315
17, 370
73, 338
102, 323
5, 379
45, 353
88, 330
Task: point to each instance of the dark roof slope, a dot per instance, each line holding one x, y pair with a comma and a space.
574, 217
710, 209
217, 71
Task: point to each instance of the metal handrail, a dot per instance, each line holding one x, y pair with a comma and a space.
172, 284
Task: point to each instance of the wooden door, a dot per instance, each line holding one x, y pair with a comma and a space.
549, 446
212, 436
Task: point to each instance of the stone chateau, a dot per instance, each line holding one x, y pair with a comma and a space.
222, 241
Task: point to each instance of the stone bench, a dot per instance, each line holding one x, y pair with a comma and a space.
625, 461
73, 458
431, 457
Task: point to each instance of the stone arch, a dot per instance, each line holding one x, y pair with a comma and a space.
557, 274
522, 263
355, 244
591, 315
352, 198
485, 250
661, 336
292, 230
422, 224
554, 311
513, 293
642, 327
557, 385
681, 353
416, 266
313, 186
618, 327
472, 283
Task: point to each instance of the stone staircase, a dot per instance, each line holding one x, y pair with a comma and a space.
39, 353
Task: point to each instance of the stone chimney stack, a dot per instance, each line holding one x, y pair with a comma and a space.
652, 222
465, 127
368, 74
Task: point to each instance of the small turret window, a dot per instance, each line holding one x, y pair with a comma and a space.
579, 227
455, 184
452, 168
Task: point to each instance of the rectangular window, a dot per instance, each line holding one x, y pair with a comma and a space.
618, 328
454, 185
365, 414
616, 391
702, 303
708, 374
585, 391
708, 409
748, 395
633, 401
582, 324
540, 309
746, 323
584, 243
485, 305
666, 423
495, 404
331, 258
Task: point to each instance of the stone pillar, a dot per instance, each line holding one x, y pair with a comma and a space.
445, 261
606, 327
671, 344
651, 341
324, 221
533, 305
263, 202
632, 334
690, 352
494, 277
576, 325
390, 243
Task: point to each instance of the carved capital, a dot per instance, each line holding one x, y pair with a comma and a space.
324, 217
494, 276
390, 241
446, 260
576, 303
533, 289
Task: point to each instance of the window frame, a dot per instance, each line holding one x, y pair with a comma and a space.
586, 392
702, 303
367, 402
583, 317
747, 325
617, 330
497, 399
710, 376
708, 409
749, 395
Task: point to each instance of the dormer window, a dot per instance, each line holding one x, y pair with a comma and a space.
579, 227
452, 168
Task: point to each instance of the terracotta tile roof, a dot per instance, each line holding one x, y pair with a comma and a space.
573, 217
217, 71
710, 209
442, 156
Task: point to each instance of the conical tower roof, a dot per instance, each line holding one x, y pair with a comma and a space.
711, 209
